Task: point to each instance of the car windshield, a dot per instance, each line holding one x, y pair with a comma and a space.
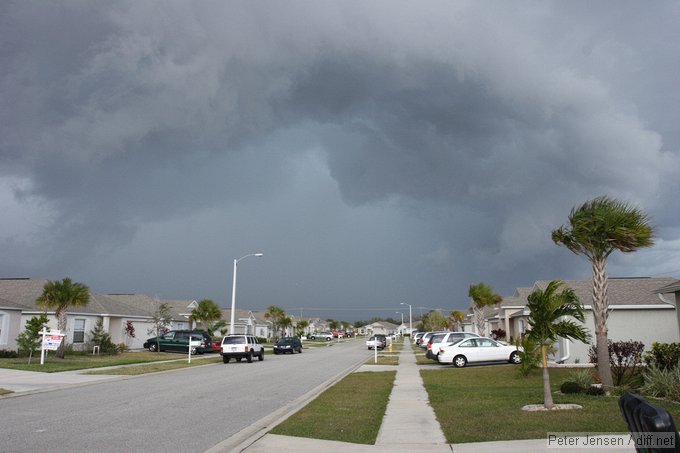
234, 340
455, 341
286, 341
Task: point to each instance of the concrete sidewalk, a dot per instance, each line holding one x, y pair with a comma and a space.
409, 425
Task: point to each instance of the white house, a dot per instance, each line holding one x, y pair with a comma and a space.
636, 312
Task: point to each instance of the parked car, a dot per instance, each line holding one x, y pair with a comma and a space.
178, 341
440, 339
426, 337
339, 334
288, 344
379, 341
241, 346
328, 336
481, 349
417, 336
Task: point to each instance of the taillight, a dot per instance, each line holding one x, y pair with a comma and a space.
429, 346
441, 349
245, 349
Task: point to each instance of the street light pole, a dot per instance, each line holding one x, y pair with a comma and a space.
410, 318
233, 290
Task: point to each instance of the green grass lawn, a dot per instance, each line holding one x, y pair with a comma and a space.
156, 367
350, 411
484, 403
384, 360
85, 361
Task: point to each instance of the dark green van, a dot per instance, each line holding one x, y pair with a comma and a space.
178, 341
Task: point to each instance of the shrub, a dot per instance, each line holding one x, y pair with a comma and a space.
102, 339
584, 378
8, 354
531, 356
122, 347
262, 340
625, 359
570, 387
664, 355
498, 334
662, 382
596, 391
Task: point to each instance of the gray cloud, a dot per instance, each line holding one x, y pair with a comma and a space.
378, 153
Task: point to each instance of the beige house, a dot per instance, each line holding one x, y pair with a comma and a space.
638, 310
17, 306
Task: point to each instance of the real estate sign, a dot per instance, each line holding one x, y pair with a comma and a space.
52, 342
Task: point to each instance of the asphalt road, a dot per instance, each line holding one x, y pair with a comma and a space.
188, 410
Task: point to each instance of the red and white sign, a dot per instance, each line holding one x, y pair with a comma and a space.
52, 342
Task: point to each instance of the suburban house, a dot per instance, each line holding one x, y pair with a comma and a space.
18, 305
638, 310
382, 327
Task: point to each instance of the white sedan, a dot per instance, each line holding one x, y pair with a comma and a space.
480, 349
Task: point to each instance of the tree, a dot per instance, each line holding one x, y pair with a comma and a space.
207, 313
60, 296
456, 319
278, 318
434, 320
547, 312
30, 339
595, 230
101, 338
161, 319
482, 296
300, 327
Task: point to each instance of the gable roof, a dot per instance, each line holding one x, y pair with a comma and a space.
632, 291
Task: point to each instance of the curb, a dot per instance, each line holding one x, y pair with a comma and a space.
243, 439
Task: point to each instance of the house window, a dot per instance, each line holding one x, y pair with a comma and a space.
79, 331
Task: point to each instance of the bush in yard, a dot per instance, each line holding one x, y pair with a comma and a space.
498, 334
584, 378
625, 359
101, 338
570, 387
29, 341
530, 354
8, 354
663, 355
595, 391
662, 382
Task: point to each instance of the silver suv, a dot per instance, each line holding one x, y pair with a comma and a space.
241, 346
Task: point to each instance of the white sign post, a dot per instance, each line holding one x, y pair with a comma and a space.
193, 343
50, 342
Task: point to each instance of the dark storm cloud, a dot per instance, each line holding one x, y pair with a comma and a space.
466, 129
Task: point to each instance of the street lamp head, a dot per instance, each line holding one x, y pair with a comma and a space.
258, 254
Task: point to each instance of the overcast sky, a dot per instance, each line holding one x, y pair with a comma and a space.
375, 152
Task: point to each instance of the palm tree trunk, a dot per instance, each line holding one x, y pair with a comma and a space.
547, 394
600, 314
61, 325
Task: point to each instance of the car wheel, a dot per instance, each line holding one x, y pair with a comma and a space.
328, 339
313, 337
515, 358
153, 347
238, 359
193, 351
300, 351
225, 359
459, 361
261, 356
250, 357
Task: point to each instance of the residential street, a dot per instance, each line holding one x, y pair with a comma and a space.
187, 410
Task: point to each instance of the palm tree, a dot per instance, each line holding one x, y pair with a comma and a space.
596, 229
206, 314
277, 316
456, 318
546, 323
482, 296
300, 327
60, 296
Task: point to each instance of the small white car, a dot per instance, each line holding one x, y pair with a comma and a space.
472, 350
